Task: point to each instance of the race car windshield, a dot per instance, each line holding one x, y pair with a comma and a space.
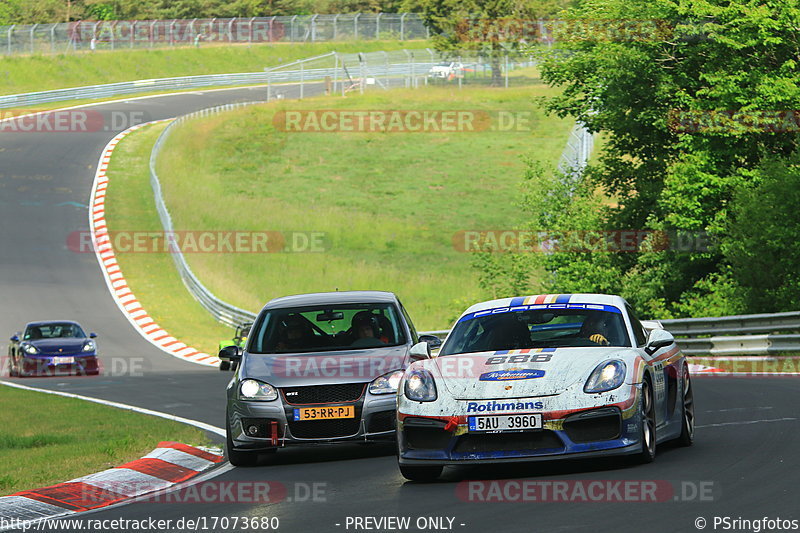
504, 329
53, 330
325, 329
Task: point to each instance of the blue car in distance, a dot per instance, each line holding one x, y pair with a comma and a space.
55, 347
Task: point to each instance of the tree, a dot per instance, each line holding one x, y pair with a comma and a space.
688, 96
489, 28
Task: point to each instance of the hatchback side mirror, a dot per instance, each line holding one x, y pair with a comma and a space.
432, 340
230, 353
92, 335
14, 338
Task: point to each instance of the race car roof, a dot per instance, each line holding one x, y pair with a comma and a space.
600, 299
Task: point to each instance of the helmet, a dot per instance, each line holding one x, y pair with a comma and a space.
365, 318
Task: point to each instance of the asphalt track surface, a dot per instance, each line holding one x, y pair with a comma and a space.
745, 462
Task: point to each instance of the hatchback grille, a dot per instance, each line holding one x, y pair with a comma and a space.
316, 394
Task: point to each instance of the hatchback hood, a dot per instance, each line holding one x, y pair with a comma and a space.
478, 376
319, 368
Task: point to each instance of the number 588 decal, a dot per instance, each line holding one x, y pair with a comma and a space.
521, 358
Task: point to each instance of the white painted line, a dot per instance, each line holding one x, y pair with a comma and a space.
747, 422
118, 405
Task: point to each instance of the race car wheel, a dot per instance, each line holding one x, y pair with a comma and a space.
421, 473
687, 422
238, 457
647, 413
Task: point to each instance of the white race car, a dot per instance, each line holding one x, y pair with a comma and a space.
543, 377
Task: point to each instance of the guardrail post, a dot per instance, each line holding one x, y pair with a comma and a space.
291, 28
355, 26
33, 44
314, 28
152, 33
378, 26
302, 79
230, 29
403, 26
250, 31
53, 37
335, 73
335, 27
11, 29
113, 27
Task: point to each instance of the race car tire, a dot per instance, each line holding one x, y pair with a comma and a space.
238, 457
421, 473
647, 414
686, 437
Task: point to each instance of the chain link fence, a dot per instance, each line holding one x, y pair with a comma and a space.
121, 34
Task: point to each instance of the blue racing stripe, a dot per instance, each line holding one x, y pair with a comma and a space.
516, 301
563, 298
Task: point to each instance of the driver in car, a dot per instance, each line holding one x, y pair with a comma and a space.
595, 328
294, 335
367, 330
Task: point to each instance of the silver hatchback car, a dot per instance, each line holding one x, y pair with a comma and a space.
319, 368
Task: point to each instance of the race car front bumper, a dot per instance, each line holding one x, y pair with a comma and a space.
592, 431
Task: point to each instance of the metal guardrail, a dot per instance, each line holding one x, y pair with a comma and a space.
196, 82
220, 310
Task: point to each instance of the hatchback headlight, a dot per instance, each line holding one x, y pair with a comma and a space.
420, 386
387, 383
89, 346
250, 389
607, 376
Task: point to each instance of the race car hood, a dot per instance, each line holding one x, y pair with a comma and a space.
480, 376
59, 346
344, 366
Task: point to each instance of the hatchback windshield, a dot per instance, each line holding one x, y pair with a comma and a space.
505, 329
328, 328
52, 331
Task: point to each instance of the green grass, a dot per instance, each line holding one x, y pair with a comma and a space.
40, 444
22, 74
389, 204
151, 276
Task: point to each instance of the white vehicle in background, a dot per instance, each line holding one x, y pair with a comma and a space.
447, 70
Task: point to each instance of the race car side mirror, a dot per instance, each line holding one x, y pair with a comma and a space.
230, 353
657, 339
14, 338
420, 351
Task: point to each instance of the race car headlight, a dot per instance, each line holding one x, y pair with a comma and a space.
607, 376
29, 348
250, 389
89, 346
387, 383
420, 386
